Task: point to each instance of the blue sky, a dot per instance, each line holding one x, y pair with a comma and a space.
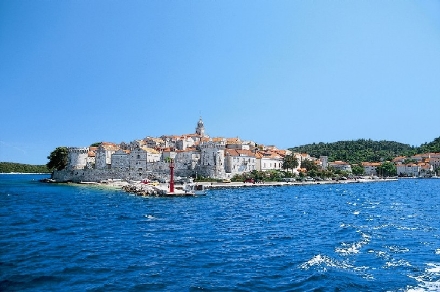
276, 72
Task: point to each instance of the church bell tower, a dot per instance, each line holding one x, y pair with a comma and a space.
200, 130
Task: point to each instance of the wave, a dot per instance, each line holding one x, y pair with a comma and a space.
429, 280
353, 248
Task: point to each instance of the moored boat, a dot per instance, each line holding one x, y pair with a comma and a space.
195, 189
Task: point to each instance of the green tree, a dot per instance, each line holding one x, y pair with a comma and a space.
387, 169
433, 146
57, 159
326, 173
357, 169
360, 150
409, 161
309, 165
96, 144
6, 167
257, 175
313, 173
290, 162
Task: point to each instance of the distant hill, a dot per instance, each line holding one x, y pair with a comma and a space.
361, 150
433, 146
7, 167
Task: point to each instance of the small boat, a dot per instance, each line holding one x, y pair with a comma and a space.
194, 189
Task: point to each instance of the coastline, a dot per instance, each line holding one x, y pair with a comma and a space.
48, 173
162, 189
305, 183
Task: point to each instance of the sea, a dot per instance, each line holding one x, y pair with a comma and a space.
378, 236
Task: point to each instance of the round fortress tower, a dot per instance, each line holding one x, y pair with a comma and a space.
77, 157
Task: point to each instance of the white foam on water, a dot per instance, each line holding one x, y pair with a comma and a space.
406, 228
429, 280
345, 225
381, 226
434, 268
349, 249
397, 249
397, 263
319, 260
149, 216
323, 262
425, 285
353, 248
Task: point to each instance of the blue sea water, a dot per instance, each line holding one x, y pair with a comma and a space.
344, 237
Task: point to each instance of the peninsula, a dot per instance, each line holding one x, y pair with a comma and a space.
194, 155
219, 159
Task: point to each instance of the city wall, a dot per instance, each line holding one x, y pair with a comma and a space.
97, 175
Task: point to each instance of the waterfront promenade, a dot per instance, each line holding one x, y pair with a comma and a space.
163, 189
218, 185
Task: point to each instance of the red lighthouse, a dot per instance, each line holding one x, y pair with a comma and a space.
171, 175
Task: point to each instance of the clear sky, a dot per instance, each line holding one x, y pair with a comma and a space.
285, 73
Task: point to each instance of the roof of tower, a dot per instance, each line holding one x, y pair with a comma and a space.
200, 122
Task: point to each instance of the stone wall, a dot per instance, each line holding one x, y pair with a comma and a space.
158, 169
97, 175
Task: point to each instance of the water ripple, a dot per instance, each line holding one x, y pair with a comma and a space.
360, 237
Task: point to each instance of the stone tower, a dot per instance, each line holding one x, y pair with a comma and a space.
77, 157
200, 130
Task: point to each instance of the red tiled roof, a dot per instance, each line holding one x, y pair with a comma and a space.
238, 152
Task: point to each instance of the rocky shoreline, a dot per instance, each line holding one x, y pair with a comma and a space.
305, 183
143, 190
162, 190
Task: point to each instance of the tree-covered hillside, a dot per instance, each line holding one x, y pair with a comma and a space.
358, 151
433, 146
7, 167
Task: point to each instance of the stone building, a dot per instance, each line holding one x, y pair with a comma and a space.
194, 155
77, 157
269, 160
238, 161
103, 156
120, 161
138, 160
340, 165
90, 163
187, 159
184, 143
